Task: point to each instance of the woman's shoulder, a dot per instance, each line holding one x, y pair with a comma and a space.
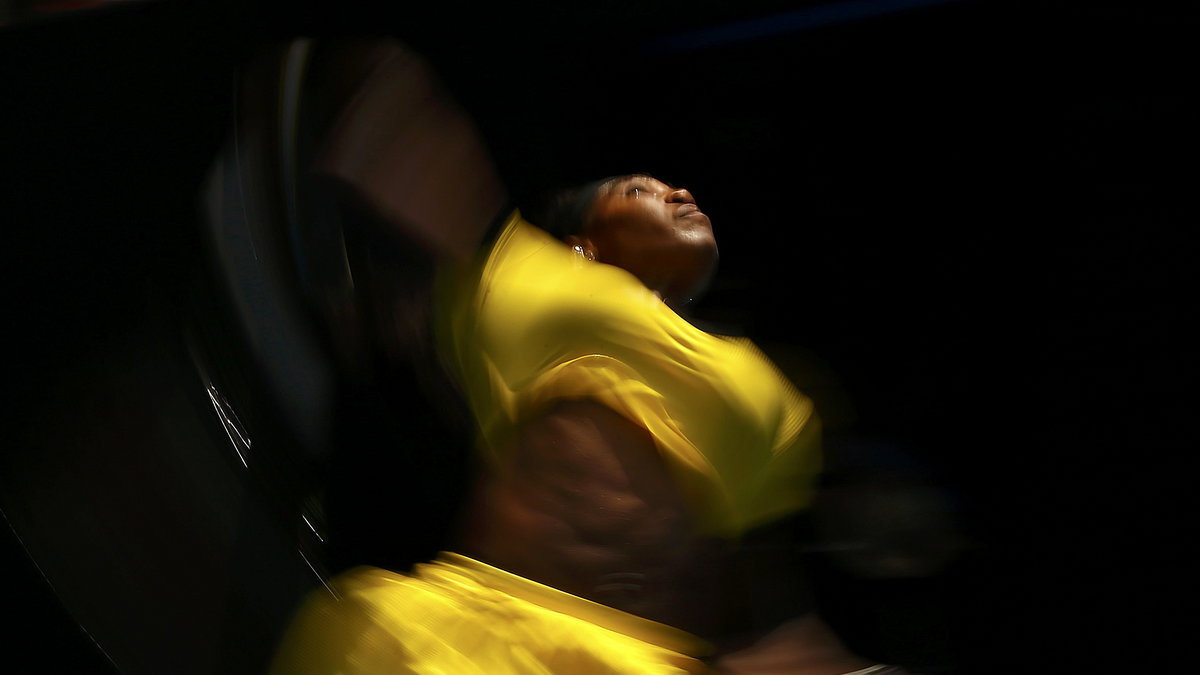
529, 275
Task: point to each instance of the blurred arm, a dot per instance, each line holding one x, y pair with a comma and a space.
773, 627
409, 154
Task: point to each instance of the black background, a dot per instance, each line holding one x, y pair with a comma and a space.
973, 213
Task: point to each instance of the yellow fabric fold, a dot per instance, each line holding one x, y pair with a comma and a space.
458, 616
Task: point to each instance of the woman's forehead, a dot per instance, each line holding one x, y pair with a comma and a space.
640, 179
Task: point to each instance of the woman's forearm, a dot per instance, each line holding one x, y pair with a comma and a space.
801, 646
406, 151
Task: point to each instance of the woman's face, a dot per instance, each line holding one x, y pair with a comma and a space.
654, 231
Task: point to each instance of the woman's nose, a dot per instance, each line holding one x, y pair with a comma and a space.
681, 196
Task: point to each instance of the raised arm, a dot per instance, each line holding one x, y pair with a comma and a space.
409, 154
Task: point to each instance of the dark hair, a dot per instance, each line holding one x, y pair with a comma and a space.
563, 212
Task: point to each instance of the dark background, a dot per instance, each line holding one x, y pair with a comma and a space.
971, 214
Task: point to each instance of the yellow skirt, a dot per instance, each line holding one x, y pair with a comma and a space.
458, 616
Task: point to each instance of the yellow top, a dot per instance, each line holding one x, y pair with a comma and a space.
534, 323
